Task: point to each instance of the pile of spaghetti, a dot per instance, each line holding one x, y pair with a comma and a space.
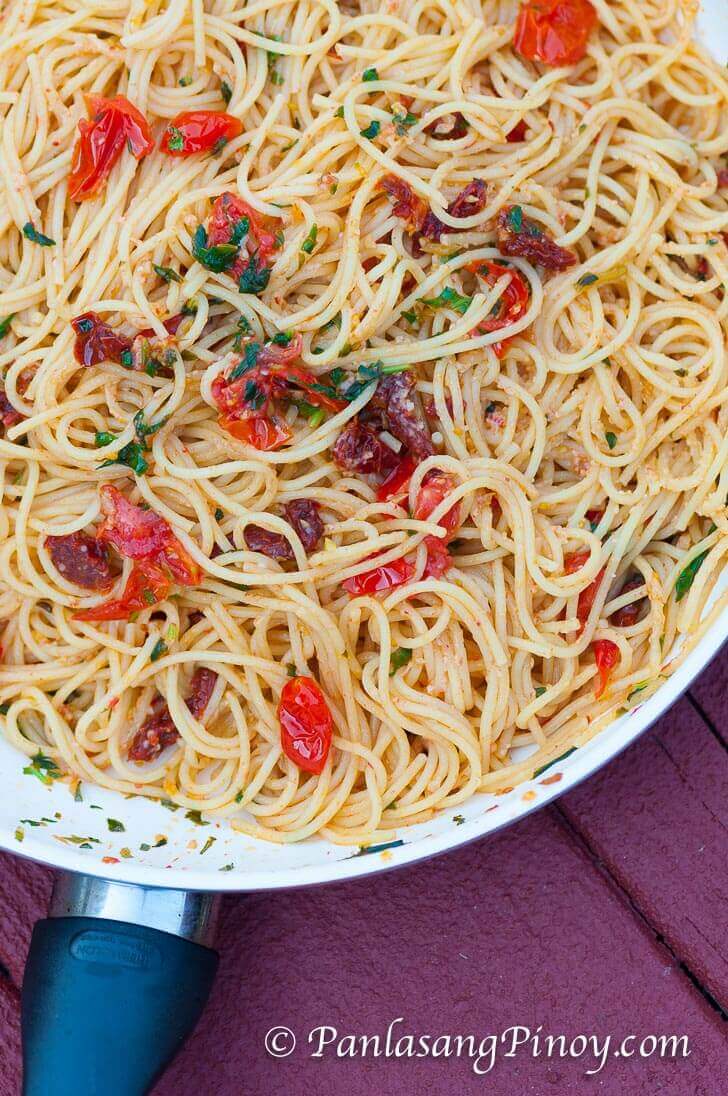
364, 392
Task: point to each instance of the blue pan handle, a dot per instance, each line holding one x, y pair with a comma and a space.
107, 1002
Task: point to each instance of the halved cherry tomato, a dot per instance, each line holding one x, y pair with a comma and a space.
148, 584
435, 487
381, 579
307, 726
572, 563
199, 131
397, 481
511, 306
114, 124
259, 431
606, 656
143, 535
554, 32
227, 211
96, 342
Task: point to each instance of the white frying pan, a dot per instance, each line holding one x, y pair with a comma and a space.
120, 971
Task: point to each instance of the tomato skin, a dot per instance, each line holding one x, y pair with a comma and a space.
259, 431
227, 210
573, 563
113, 125
200, 131
397, 481
554, 32
147, 585
307, 725
513, 303
381, 579
606, 656
518, 133
96, 342
435, 487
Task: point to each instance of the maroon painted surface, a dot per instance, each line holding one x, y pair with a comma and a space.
604, 914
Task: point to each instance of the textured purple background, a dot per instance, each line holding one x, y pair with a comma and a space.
603, 914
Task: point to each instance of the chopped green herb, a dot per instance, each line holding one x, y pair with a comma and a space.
43, 768
243, 328
208, 845
219, 514
144, 429
5, 325
540, 690
159, 649
458, 819
78, 795
196, 817
365, 850
103, 437
4, 709
365, 375
291, 669
226, 91
310, 242
515, 218
239, 797
637, 689
555, 761
131, 456
115, 826
250, 357
159, 842
369, 74
403, 122
339, 113
184, 81
189, 308
449, 298
587, 279
399, 657
611, 439
410, 316
371, 131
166, 273
175, 140
282, 338
218, 146
226, 867
687, 576
37, 237
255, 277
144, 847
218, 258
169, 805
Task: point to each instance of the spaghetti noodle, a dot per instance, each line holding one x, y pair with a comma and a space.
288, 286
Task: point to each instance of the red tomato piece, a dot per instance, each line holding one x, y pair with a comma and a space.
260, 432
227, 211
113, 125
97, 342
397, 481
381, 579
518, 133
512, 305
148, 584
406, 205
436, 486
307, 726
606, 656
199, 131
554, 32
143, 535
9, 415
723, 178
519, 235
633, 612
80, 558
572, 563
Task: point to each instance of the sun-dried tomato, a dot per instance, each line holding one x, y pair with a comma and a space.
304, 516
96, 342
519, 235
451, 127
518, 133
406, 204
636, 610
9, 415
468, 202
395, 400
158, 730
359, 449
148, 584
82, 559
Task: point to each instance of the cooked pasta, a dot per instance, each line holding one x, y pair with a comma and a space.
288, 286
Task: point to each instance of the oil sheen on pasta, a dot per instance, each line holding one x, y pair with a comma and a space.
545, 481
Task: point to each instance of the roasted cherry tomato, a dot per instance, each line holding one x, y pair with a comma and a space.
113, 125
518, 133
381, 579
435, 487
572, 563
511, 306
306, 723
606, 656
554, 32
199, 131
397, 481
148, 584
